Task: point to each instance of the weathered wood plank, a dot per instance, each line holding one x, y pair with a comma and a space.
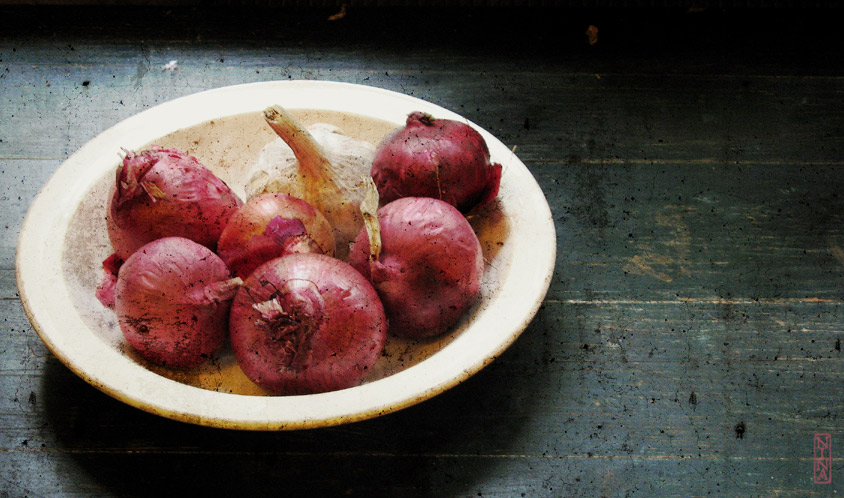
419, 475
675, 231
605, 378
664, 118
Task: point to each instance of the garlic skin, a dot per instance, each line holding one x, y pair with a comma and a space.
277, 167
344, 162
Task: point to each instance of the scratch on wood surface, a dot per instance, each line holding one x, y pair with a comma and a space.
643, 264
341, 14
668, 253
837, 253
592, 34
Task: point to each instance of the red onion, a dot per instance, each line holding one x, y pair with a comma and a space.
165, 192
306, 323
428, 268
272, 225
172, 301
438, 158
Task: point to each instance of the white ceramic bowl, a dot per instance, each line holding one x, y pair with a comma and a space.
63, 241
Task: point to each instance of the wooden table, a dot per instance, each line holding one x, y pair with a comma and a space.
689, 345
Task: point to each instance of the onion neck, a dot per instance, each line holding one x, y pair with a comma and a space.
215, 292
369, 210
290, 316
130, 176
418, 118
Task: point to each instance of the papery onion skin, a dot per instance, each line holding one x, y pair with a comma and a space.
430, 266
306, 323
108, 281
162, 192
172, 301
438, 158
249, 240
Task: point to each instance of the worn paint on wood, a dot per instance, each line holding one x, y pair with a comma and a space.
689, 345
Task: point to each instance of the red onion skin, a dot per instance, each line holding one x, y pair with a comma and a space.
430, 267
246, 242
172, 301
325, 329
165, 192
105, 289
438, 158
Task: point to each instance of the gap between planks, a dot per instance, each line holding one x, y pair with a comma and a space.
346, 454
612, 161
705, 300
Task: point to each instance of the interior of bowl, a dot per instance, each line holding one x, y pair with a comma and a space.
228, 146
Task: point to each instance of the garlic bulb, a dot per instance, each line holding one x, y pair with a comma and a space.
318, 164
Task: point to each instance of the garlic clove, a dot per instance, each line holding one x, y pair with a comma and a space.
318, 164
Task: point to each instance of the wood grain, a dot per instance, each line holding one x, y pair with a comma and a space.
689, 345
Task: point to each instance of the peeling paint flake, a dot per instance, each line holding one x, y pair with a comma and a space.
171, 66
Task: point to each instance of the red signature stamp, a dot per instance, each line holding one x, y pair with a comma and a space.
823, 459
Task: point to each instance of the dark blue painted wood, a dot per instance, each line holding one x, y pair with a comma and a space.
689, 345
